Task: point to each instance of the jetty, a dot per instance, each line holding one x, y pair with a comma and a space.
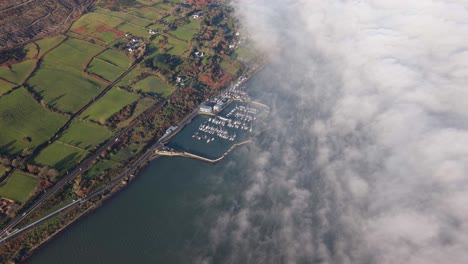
176, 153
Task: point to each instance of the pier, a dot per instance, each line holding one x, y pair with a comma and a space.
175, 153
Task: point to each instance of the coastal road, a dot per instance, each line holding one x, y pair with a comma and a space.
134, 166
19, 231
145, 157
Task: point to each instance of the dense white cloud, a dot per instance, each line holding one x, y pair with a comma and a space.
368, 154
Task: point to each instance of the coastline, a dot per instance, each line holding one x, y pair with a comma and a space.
128, 176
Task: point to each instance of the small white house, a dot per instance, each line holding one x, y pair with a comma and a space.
206, 109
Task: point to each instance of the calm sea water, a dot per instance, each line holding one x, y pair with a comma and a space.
163, 217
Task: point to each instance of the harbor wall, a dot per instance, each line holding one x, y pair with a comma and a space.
198, 157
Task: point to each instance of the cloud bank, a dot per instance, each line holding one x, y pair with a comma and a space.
367, 157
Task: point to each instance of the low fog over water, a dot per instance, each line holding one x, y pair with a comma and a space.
366, 160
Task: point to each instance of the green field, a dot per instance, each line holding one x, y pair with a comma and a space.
115, 58
184, 33
104, 69
178, 47
25, 123
147, 2
123, 22
154, 85
60, 80
148, 13
100, 168
162, 6
194, 24
75, 36
133, 29
109, 104
171, 18
31, 51
85, 135
158, 27
65, 90
71, 55
142, 105
18, 186
106, 19
126, 153
18, 72
60, 156
48, 43
129, 79
3, 170
153, 47
139, 21
109, 64
5, 87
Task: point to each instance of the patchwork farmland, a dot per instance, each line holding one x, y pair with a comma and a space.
108, 65
60, 80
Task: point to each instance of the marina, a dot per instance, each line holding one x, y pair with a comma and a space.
239, 118
222, 123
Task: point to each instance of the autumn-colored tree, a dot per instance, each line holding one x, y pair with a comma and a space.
33, 168
19, 163
44, 184
43, 171
77, 185
5, 161
53, 174
26, 152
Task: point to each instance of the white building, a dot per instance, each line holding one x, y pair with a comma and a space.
206, 109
